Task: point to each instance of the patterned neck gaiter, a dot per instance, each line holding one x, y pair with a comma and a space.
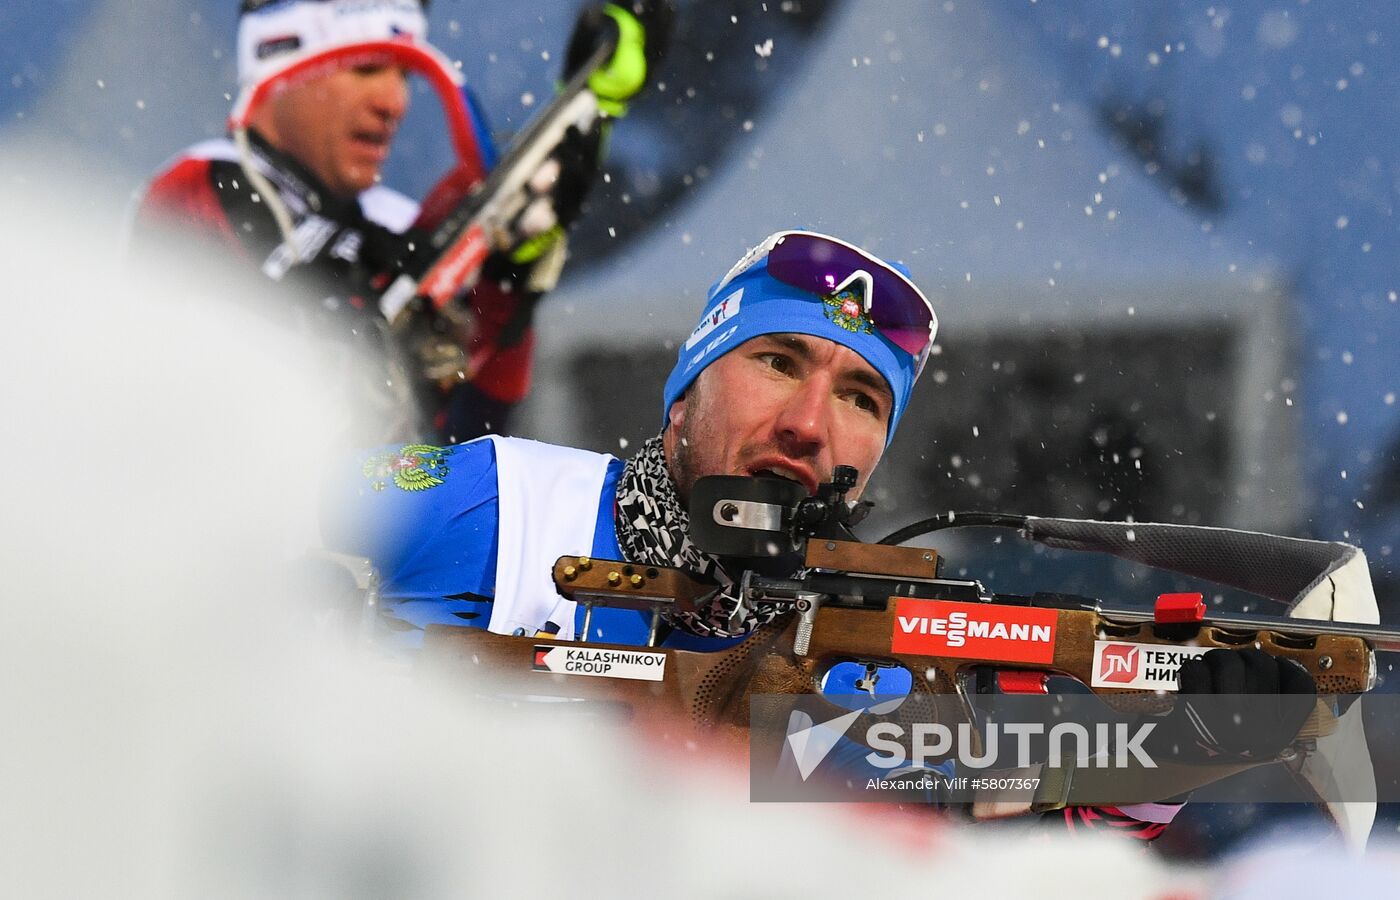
653, 527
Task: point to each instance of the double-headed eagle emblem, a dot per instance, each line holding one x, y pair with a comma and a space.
846, 311
413, 467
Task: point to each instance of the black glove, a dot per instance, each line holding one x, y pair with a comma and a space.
579, 156
640, 30
555, 197
1240, 704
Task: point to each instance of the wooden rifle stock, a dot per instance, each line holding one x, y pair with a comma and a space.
868, 604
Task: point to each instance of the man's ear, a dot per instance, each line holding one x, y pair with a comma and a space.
675, 416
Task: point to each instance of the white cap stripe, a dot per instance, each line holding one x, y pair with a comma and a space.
282, 33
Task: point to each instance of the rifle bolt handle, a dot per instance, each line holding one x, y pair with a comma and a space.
802, 640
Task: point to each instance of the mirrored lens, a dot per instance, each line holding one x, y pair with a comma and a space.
818, 264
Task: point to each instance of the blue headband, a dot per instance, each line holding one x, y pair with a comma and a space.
755, 303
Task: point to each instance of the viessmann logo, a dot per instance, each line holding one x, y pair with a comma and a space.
974, 631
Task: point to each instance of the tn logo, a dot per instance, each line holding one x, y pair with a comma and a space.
1118, 663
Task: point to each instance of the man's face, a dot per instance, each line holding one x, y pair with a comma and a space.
339, 125
783, 404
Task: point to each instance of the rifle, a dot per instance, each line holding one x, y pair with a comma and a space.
885, 608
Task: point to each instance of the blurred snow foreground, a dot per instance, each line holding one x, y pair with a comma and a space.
172, 730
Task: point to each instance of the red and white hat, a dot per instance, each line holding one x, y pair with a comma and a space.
284, 42
274, 34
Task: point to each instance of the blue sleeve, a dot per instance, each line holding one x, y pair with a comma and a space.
682, 640
427, 518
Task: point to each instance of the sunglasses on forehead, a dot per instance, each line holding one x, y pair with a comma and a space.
823, 265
